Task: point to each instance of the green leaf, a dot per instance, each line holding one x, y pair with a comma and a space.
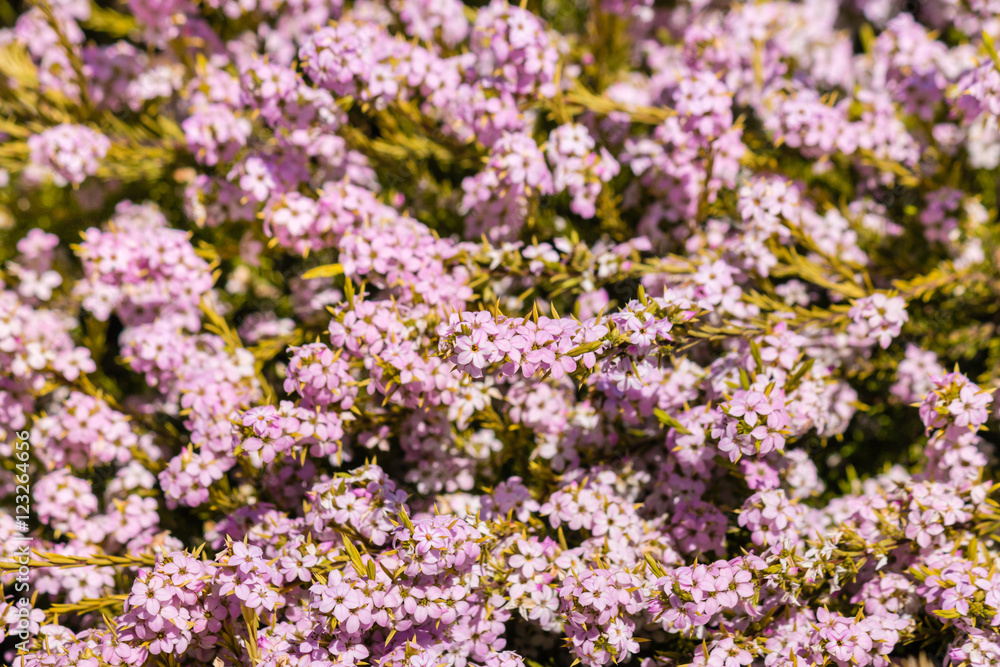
988, 41
670, 422
405, 519
584, 348
793, 382
355, 557
755, 353
654, 567
325, 271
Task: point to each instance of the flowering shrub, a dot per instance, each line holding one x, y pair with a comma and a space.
421, 333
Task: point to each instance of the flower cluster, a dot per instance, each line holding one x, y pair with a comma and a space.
752, 423
425, 333
69, 153
878, 318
